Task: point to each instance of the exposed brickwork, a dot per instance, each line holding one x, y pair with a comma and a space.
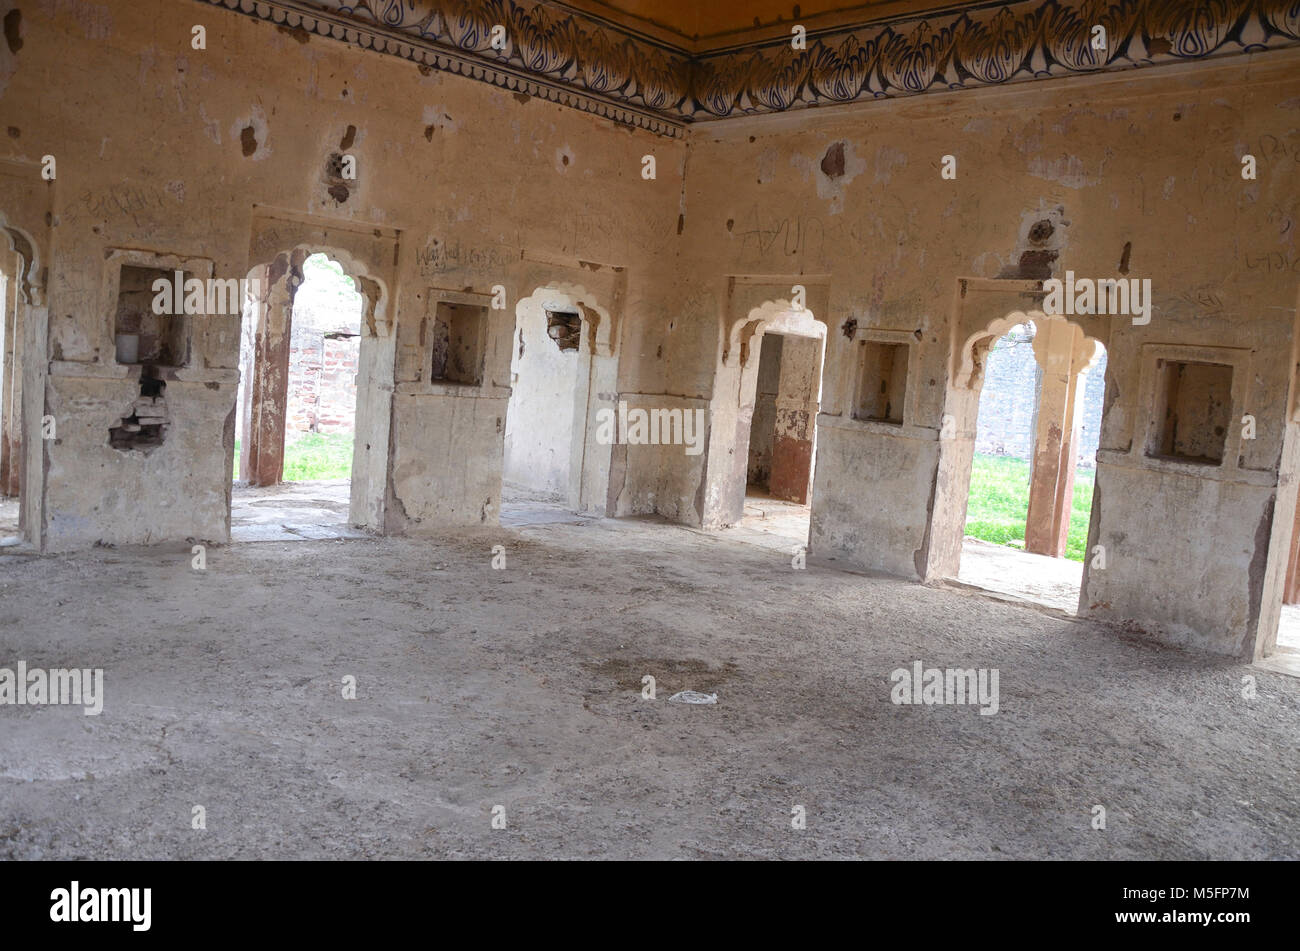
322, 379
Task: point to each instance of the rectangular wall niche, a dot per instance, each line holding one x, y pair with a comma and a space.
140, 335
882, 381
459, 344
1192, 412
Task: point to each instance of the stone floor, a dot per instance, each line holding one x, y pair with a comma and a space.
997, 569
291, 511
521, 688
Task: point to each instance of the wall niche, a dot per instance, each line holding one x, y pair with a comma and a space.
1193, 411
882, 381
459, 343
140, 335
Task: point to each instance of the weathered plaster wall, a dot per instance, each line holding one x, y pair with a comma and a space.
540, 423
1138, 178
762, 428
163, 147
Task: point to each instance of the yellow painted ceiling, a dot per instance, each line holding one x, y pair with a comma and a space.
709, 23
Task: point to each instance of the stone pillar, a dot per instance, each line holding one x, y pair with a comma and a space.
1064, 354
796, 414
269, 384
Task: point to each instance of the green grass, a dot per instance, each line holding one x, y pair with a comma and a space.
999, 502
314, 456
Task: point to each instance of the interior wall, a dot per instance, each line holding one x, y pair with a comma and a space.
197, 155
1042, 185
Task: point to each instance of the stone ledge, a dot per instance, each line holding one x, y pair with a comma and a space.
878, 428
71, 369
1117, 459
457, 391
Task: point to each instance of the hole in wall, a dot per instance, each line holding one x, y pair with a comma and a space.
338, 187
1041, 231
833, 161
145, 427
565, 328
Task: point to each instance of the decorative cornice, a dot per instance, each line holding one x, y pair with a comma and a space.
991, 46
563, 56
596, 70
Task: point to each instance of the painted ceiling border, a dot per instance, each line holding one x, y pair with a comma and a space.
591, 64
463, 48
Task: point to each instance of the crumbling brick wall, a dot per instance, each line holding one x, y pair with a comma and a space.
322, 380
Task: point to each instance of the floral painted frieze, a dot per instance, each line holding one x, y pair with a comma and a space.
992, 46
554, 52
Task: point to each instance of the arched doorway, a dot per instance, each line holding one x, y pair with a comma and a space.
1042, 417
1032, 475
311, 420
562, 361
775, 355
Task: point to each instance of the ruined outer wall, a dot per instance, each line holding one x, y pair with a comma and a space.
1151, 166
166, 148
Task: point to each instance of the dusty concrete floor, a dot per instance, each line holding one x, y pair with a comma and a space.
521, 688
1052, 582
998, 569
301, 511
